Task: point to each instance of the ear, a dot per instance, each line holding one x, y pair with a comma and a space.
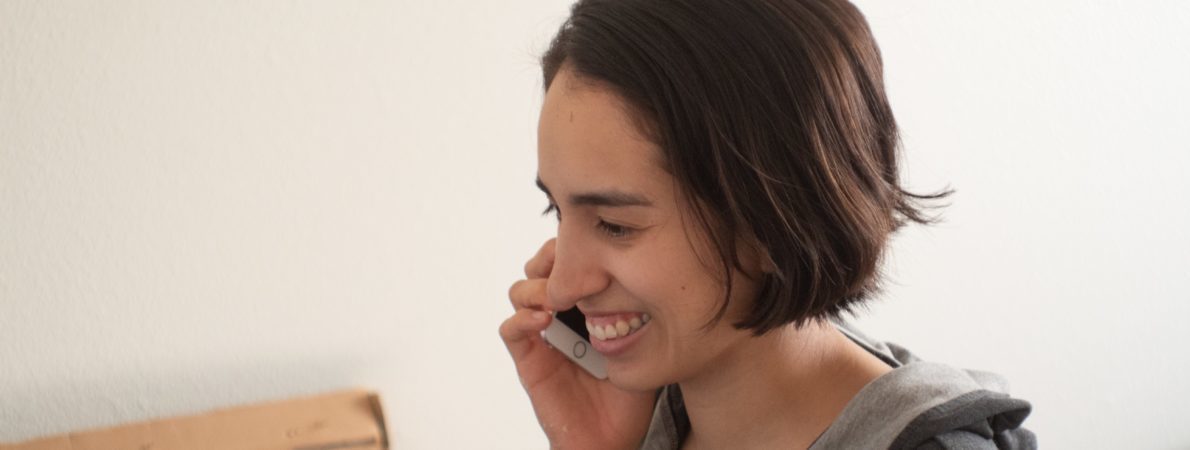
767, 265
755, 256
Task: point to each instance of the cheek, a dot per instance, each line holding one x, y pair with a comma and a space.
669, 281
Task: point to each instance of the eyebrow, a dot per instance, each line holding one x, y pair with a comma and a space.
601, 198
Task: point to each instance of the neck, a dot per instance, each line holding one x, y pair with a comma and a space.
782, 389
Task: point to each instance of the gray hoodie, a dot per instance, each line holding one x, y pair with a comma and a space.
918, 405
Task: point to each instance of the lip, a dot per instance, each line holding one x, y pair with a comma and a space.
610, 314
619, 346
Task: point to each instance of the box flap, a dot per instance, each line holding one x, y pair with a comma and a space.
348, 420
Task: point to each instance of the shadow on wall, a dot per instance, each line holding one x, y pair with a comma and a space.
82, 401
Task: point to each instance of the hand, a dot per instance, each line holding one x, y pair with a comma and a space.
576, 410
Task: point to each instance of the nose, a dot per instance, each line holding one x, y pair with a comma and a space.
577, 273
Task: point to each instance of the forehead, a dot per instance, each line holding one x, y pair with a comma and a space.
587, 138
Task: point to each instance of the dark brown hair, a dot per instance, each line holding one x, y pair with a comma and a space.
773, 119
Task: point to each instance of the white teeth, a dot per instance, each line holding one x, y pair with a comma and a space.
618, 329
622, 328
610, 332
596, 331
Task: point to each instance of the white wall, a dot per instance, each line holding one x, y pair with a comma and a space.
204, 204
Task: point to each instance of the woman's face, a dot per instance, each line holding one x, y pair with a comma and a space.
629, 254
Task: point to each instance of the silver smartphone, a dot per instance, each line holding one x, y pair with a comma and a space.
568, 333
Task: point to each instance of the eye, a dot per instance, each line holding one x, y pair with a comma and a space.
552, 208
613, 230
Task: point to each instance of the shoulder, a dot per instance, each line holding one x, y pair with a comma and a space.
964, 440
980, 419
929, 405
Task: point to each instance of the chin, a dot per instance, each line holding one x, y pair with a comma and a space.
635, 378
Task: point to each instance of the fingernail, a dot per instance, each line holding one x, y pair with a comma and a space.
540, 315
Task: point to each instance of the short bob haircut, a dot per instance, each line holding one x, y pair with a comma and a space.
773, 120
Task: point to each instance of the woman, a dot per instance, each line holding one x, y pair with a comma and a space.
725, 179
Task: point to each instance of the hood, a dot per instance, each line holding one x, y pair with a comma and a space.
919, 402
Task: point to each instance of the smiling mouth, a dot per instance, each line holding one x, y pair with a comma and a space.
616, 327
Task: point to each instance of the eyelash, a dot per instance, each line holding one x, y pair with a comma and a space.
610, 229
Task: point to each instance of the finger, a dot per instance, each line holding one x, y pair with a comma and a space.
528, 294
543, 262
522, 330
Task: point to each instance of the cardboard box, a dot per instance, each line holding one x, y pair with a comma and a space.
348, 420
